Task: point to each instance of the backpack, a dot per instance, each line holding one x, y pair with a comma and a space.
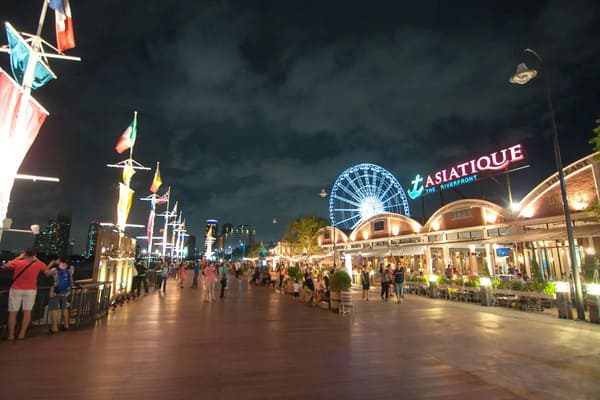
63, 280
385, 277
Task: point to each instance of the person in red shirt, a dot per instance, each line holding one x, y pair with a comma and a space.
23, 289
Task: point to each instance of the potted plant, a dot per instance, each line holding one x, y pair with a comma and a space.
294, 273
340, 281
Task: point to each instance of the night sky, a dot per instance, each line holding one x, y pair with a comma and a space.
252, 106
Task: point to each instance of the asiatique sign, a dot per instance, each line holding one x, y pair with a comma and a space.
466, 172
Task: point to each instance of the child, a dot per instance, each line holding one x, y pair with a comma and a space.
296, 288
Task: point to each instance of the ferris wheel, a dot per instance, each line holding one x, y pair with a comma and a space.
363, 191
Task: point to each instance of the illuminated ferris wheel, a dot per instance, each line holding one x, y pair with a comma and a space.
363, 191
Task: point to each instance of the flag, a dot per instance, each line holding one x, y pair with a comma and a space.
65, 35
124, 205
20, 52
127, 139
156, 182
20, 122
164, 199
150, 228
128, 173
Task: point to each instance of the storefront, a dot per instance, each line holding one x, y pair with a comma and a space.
474, 236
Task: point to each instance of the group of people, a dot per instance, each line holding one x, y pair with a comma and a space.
388, 276
205, 276
23, 291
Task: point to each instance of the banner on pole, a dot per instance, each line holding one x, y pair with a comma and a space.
21, 118
124, 205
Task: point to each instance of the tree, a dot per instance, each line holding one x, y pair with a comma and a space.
252, 249
302, 233
595, 208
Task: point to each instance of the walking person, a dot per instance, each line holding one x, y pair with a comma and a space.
23, 289
210, 275
385, 283
60, 293
365, 279
282, 272
163, 275
140, 279
196, 273
399, 284
223, 279
181, 273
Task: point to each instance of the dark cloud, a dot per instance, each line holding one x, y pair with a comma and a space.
253, 106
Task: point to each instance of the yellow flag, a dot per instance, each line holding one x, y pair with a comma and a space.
157, 181
128, 173
124, 205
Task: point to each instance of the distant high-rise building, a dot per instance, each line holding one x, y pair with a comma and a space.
210, 237
92, 239
190, 245
54, 239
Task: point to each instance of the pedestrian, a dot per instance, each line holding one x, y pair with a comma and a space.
181, 273
23, 289
210, 275
399, 284
196, 273
163, 275
60, 292
366, 283
385, 283
238, 269
140, 279
282, 272
223, 279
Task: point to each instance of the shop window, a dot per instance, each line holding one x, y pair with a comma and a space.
452, 236
464, 235
460, 214
476, 234
434, 238
379, 226
327, 235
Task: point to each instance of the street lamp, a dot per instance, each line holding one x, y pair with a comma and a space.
521, 77
323, 194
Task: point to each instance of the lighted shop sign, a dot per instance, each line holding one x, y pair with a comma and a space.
466, 172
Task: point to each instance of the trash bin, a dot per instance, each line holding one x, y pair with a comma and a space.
433, 286
593, 302
563, 303
485, 291
485, 296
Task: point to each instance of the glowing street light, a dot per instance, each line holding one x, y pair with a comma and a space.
523, 75
323, 193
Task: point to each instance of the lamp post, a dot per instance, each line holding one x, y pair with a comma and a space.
521, 77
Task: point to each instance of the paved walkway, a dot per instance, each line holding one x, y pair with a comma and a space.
257, 344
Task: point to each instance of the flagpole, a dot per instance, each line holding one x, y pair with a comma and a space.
166, 228
42, 19
133, 143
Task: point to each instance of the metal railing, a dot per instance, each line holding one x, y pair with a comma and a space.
89, 301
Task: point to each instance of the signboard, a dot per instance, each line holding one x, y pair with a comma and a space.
466, 172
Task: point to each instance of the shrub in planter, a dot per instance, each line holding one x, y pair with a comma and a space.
549, 288
295, 272
497, 283
442, 280
340, 281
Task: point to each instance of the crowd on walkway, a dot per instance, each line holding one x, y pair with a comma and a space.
207, 276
